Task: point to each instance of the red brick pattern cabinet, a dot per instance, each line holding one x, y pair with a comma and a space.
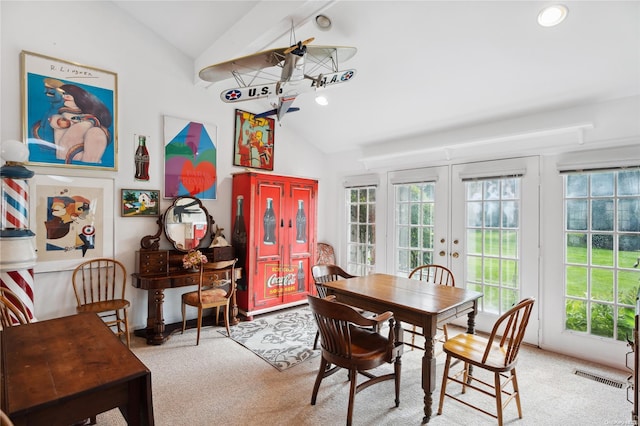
274, 236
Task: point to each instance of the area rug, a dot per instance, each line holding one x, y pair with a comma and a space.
283, 339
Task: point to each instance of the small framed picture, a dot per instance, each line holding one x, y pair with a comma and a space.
140, 202
254, 141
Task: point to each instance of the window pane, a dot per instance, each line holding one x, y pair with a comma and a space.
602, 184
602, 215
602, 284
629, 182
629, 215
602, 250
577, 215
577, 185
629, 251
576, 279
510, 214
474, 241
577, 248
576, 315
492, 214
601, 320
474, 214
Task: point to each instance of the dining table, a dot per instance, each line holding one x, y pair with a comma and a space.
414, 302
65, 370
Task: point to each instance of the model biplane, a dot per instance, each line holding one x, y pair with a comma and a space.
282, 74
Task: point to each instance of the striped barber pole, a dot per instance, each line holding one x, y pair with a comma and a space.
14, 209
21, 283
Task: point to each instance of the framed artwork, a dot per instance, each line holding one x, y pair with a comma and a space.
139, 202
189, 159
254, 140
69, 113
72, 218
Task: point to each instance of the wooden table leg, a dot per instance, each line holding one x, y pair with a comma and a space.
471, 329
428, 366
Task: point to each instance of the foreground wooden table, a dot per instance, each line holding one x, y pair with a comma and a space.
414, 302
61, 371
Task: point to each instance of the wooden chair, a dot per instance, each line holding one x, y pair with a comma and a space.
216, 293
435, 274
326, 255
12, 310
4, 419
498, 354
323, 273
99, 285
347, 343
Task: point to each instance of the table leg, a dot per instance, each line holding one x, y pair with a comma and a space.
428, 367
471, 329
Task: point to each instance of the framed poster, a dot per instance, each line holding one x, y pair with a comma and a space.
254, 140
189, 159
139, 202
69, 113
72, 218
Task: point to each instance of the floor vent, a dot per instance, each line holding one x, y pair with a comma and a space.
615, 383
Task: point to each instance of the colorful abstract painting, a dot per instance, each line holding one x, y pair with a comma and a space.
189, 159
254, 141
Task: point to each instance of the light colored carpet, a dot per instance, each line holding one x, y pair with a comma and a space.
221, 382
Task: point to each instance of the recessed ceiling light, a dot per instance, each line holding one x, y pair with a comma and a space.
323, 22
552, 15
322, 100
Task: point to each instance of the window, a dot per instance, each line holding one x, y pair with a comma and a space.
414, 225
602, 249
361, 229
493, 241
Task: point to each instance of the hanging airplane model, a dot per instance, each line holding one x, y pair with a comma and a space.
303, 68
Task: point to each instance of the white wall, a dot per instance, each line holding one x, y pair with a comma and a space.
154, 80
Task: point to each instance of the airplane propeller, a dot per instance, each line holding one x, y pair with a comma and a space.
298, 45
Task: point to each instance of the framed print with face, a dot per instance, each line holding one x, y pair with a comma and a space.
254, 140
69, 113
73, 220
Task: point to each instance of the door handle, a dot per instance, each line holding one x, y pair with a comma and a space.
442, 253
455, 255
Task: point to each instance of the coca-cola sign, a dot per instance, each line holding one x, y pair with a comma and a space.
280, 280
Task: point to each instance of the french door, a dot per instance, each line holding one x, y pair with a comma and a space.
481, 220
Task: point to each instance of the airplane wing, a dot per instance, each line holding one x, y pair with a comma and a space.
256, 69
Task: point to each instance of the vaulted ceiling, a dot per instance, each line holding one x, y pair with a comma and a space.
422, 66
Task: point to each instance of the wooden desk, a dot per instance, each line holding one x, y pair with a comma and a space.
156, 331
61, 371
414, 302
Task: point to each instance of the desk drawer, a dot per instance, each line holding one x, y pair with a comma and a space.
152, 261
209, 278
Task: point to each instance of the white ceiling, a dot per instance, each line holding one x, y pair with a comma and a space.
422, 66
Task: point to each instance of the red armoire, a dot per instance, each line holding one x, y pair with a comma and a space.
274, 236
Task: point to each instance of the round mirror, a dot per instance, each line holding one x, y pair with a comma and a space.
186, 223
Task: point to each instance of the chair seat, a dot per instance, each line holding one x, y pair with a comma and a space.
103, 306
471, 348
368, 344
208, 296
